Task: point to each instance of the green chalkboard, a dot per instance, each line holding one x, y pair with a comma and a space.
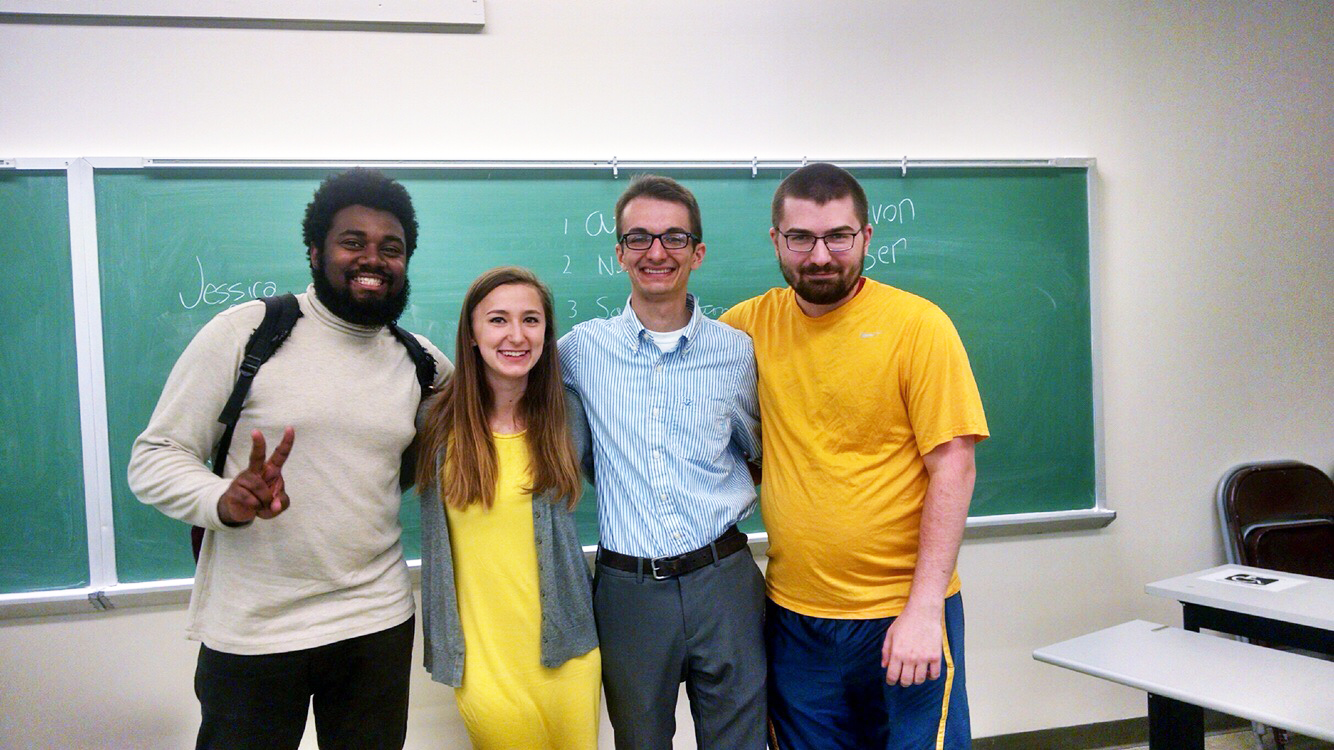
43, 540
1003, 251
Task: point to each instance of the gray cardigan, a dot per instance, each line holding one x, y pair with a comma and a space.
563, 578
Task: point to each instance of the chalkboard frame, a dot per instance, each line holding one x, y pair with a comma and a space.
392, 14
106, 592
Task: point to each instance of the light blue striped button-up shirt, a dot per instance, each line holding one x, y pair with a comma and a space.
671, 432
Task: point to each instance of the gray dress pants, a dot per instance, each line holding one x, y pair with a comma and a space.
705, 628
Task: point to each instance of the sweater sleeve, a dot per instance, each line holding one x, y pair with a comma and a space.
168, 466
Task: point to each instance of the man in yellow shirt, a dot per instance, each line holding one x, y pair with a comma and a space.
870, 415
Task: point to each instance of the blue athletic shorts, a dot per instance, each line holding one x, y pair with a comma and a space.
827, 688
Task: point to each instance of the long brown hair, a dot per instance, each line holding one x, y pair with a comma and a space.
456, 420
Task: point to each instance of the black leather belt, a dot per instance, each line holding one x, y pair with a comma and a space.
662, 568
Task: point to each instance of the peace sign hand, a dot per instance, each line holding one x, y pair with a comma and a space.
259, 491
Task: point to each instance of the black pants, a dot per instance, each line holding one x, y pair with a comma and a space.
360, 689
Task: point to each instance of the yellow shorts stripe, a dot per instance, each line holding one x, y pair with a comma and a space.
949, 685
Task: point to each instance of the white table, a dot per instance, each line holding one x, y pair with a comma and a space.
1281, 608
1183, 671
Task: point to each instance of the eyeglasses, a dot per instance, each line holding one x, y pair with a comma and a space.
640, 241
835, 242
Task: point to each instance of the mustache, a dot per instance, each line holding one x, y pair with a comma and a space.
351, 274
827, 268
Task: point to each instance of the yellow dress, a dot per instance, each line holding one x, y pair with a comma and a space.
508, 699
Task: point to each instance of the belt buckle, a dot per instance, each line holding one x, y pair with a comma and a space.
653, 566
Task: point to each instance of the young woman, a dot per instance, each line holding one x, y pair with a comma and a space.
508, 614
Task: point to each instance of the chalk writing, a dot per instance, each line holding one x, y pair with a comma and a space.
876, 256
608, 265
899, 212
608, 312
596, 224
227, 294
890, 213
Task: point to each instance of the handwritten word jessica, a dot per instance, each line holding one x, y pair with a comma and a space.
227, 294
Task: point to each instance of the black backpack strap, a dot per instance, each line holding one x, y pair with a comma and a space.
423, 360
280, 314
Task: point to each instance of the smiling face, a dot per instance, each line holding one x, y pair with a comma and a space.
822, 280
658, 274
508, 329
361, 272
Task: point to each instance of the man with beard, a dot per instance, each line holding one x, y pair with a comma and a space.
301, 591
870, 414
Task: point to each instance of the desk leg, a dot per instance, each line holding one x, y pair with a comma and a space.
1174, 725
1190, 618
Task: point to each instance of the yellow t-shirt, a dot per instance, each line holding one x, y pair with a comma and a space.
849, 403
508, 699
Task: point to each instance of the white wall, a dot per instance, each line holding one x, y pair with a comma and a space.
1210, 123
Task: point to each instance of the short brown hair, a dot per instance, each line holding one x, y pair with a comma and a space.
663, 189
820, 182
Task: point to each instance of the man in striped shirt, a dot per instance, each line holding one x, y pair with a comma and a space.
670, 397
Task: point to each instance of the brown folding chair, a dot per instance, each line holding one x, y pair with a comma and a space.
1278, 515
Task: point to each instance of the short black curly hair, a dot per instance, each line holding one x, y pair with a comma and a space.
358, 187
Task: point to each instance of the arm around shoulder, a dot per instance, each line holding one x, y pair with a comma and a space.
443, 367
580, 435
568, 349
746, 407
737, 317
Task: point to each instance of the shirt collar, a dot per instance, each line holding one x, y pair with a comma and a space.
635, 332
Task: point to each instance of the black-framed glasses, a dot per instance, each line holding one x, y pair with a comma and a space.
835, 242
640, 241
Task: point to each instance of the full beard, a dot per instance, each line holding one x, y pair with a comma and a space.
340, 302
822, 292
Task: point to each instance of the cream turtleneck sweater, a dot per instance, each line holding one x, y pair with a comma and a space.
331, 566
